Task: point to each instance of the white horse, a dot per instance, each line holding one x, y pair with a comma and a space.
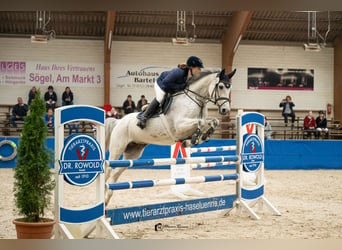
185, 121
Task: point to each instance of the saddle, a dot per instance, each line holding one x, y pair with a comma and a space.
163, 107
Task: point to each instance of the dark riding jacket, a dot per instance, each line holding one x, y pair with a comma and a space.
173, 80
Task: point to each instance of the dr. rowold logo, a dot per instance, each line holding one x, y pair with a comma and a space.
81, 160
252, 153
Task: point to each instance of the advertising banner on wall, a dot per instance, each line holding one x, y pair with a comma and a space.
280, 79
135, 76
50, 73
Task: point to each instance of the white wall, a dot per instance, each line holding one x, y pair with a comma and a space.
137, 55
134, 55
283, 57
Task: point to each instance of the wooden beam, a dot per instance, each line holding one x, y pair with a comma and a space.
337, 106
107, 54
231, 39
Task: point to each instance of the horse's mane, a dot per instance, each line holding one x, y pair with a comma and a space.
201, 74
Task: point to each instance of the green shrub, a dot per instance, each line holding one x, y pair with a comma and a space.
34, 180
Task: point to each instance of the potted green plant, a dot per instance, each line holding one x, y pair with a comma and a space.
33, 179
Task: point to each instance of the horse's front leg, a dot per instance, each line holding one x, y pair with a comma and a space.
212, 124
193, 129
195, 138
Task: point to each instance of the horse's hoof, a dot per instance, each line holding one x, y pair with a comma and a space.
205, 138
194, 141
186, 144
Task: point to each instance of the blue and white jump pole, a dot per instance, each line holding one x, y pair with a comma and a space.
249, 159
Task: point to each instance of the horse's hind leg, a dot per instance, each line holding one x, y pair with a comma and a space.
112, 173
133, 151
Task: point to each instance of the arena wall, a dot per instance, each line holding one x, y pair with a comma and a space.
155, 57
288, 57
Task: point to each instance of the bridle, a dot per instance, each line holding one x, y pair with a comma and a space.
214, 96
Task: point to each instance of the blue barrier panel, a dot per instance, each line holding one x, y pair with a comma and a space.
168, 209
7, 150
303, 154
279, 154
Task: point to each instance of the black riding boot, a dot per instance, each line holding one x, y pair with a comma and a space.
151, 108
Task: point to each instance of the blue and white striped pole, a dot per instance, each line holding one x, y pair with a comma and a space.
171, 181
213, 149
212, 164
171, 161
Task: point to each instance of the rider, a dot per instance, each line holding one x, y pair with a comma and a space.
171, 82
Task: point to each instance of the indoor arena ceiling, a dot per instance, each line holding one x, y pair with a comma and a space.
209, 26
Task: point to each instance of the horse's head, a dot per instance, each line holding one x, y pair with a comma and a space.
217, 89
221, 90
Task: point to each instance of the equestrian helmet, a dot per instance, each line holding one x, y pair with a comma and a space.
194, 61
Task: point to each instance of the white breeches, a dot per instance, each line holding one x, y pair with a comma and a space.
159, 93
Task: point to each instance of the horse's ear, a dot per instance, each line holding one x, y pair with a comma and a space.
230, 75
222, 74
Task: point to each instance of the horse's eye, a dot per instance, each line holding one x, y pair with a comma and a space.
220, 87
228, 85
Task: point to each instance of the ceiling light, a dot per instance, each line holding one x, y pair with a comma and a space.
182, 34
312, 47
42, 34
180, 41
316, 41
39, 39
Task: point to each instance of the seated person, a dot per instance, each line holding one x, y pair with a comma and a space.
67, 97
309, 125
73, 126
141, 103
321, 125
128, 105
49, 119
107, 108
287, 106
50, 98
31, 95
113, 114
268, 129
19, 112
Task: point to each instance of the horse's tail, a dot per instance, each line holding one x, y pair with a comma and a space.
110, 123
